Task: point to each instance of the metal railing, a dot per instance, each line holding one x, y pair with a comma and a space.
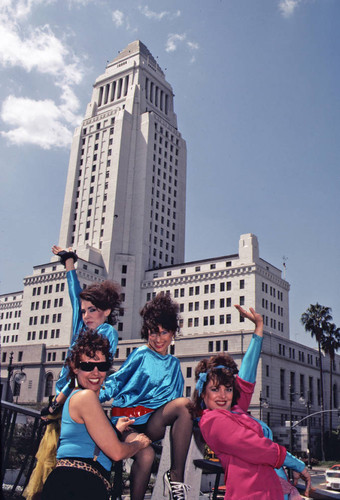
21, 432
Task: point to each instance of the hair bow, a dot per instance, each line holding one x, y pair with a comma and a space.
202, 378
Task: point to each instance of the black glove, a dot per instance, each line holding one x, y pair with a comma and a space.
52, 408
64, 255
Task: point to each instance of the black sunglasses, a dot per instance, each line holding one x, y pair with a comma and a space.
88, 366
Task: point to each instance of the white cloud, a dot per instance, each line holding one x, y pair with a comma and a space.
41, 50
287, 7
158, 16
35, 122
193, 46
118, 17
173, 40
19, 9
44, 123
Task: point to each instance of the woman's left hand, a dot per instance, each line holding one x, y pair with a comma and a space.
305, 476
254, 317
123, 423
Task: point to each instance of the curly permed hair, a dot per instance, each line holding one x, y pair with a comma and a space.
88, 342
105, 295
161, 310
224, 377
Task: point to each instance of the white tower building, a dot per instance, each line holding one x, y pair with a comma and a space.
124, 206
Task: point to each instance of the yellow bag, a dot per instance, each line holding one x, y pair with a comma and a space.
46, 458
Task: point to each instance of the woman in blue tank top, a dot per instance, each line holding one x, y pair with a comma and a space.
88, 442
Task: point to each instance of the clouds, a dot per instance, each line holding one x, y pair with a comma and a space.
35, 122
38, 49
158, 16
175, 40
118, 18
287, 7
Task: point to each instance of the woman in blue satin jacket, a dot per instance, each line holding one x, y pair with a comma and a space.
149, 388
94, 308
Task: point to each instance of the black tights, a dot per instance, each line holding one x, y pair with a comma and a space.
176, 415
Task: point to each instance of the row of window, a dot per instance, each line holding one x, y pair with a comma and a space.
272, 291
113, 91
52, 356
156, 96
9, 314
44, 319
98, 126
9, 326
43, 334
46, 304
19, 358
6, 338
301, 355
59, 287
272, 307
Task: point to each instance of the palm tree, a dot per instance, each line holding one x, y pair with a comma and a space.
330, 344
315, 321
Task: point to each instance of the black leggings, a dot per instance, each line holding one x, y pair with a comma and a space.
176, 415
69, 483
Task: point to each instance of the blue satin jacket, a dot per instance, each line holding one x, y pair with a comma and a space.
78, 325
145, 379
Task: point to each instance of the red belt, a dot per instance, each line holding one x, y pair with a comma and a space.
137, 411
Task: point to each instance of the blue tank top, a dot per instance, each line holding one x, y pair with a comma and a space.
75, 441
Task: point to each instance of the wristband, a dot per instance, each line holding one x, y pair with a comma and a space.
64, 255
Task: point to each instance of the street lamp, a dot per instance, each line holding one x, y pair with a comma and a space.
308, 405
19, 377
263, 404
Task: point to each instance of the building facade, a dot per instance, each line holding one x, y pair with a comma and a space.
124, 214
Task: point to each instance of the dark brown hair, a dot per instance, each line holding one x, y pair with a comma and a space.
220, 376
105, 295
161, 310
88, 342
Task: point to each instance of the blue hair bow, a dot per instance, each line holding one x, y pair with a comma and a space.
202, 379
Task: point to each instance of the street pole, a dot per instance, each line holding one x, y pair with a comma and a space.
9, 374
290, 420
308, 432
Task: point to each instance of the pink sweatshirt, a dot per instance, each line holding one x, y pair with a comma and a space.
247, 457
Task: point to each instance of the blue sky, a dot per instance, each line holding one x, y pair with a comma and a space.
256, 88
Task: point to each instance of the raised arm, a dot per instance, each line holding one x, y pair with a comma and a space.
254, 317
68, 261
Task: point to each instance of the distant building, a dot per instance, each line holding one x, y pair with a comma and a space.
124, 213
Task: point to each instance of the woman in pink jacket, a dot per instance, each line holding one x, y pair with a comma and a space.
249, 459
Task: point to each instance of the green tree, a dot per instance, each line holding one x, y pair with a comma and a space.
330, 344
315, 321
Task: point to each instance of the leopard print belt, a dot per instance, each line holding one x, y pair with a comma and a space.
77, 464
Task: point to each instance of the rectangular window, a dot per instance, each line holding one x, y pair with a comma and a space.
282, 384
241, 284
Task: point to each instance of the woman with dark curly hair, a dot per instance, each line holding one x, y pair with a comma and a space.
88, 443
243, 444
149, 387
94, 308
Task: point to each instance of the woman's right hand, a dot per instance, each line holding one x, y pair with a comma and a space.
56, 249
143, 440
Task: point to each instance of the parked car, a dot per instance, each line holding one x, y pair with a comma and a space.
333, 477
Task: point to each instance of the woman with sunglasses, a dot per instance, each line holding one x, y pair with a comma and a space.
149, 387
94, 308
88, 442
251, 460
